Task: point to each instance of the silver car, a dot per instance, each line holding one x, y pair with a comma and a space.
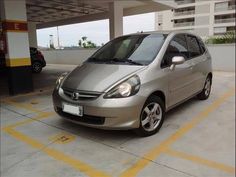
133, 80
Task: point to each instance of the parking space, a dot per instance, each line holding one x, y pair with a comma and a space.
197, 138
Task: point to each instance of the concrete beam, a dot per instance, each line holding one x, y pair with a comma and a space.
69, 21
115, 19
149, 6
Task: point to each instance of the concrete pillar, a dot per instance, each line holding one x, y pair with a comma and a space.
115, 19
212, 18
32, 34
13, 15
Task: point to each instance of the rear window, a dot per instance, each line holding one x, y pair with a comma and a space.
193, 46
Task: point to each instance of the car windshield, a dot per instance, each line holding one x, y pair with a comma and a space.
132, 49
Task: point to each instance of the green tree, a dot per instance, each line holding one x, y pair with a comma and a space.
227, 38
84, 43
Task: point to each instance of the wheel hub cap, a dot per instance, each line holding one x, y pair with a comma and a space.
207, 87
151, 116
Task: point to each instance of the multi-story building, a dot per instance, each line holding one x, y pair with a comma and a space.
204, 17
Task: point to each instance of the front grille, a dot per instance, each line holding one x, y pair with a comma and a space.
83, 95
96, 120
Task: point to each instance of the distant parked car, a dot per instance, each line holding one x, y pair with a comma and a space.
37, 60
132, 81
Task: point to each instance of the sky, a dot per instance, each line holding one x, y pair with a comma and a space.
96, 31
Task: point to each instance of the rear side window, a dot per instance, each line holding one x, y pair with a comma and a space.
193, 46
177, 47
203, 48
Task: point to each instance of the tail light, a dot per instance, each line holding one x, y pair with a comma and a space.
40, 55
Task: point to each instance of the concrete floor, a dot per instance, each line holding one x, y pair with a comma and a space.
197, 138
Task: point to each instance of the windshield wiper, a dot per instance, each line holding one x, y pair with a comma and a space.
126, 61
93, 59
133, 62
97, 60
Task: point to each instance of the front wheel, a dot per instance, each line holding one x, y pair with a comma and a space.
152, 116
205, 93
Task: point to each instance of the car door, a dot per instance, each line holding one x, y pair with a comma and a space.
179, 79
197, 60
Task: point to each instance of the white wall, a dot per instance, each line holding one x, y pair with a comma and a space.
223, 56
73, 57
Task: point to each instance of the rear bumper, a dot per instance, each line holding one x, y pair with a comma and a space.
43, 63
123, 113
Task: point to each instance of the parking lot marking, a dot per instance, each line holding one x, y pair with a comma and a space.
139, 165
58, 155
34, 102
199, 160
63, 138
163, 146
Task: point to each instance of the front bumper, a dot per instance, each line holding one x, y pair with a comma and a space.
122, 113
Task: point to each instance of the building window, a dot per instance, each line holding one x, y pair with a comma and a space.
219, 30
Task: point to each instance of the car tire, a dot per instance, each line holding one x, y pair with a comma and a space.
205, 93
151, 117
37, 67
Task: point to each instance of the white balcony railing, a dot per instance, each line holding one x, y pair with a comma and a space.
222, 8
227, 20
183, 24
189, 12
181, 2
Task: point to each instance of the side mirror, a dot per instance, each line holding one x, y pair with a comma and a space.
177, 60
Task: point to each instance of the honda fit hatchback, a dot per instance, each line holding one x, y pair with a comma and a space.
133, 80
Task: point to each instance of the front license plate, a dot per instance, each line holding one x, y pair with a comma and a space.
72, 109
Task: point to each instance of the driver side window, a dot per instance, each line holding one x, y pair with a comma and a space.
177, 47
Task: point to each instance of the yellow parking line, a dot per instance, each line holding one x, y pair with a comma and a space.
156, 151
140, 164
199, 160
79, 165
75, 163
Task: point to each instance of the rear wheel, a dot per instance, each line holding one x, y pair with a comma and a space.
152, 116
37, 67
206, 90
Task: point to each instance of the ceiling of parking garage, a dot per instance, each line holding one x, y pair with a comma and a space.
44, 11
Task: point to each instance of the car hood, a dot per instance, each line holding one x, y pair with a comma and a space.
97, 77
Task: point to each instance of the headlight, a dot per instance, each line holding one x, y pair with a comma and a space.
125, 89
60, 79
